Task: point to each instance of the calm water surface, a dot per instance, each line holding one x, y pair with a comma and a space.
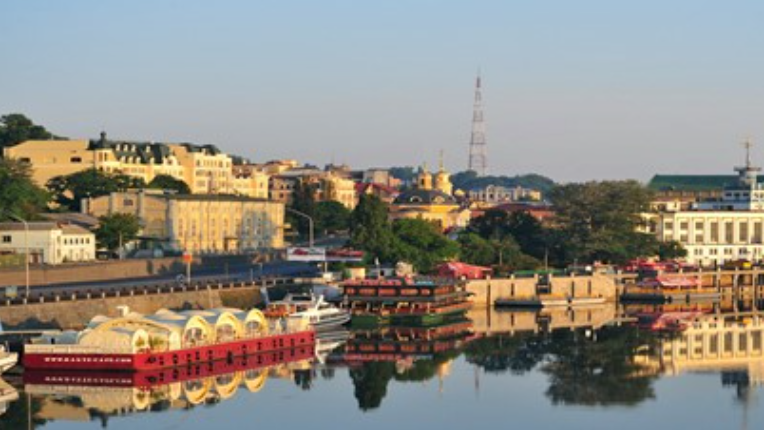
587, 369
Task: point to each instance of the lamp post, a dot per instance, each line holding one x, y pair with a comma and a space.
26, 250
310, 224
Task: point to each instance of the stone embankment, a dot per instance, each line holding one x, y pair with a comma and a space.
74, 311
486, 291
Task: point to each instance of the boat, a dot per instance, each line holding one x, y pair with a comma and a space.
7, 359
404, 301
166, 339
667, 321
311, 309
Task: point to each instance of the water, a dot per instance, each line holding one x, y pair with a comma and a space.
587, 369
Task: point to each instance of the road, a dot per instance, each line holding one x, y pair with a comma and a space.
237, 273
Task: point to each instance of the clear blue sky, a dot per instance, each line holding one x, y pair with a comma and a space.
573, 89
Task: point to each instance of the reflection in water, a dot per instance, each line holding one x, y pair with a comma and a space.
595, 356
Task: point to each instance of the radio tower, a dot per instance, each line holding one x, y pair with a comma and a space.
478, 158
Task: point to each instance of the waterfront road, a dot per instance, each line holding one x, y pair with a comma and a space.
232, 273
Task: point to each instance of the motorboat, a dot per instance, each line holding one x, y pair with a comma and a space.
7, 359
309, 308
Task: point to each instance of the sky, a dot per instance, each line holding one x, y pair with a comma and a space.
574, 90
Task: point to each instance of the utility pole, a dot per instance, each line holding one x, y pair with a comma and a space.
310, 224
26, 251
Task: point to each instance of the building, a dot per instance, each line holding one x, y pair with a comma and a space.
206, 169
496, 194
430, 201
51, 158
327, 186
714, 231
198, 223
48, 242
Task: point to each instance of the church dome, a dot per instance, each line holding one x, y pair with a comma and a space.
427, 197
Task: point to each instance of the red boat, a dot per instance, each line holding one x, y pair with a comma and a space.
166, 339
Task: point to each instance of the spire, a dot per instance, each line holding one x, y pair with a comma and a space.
440, 162
748, 145
478, 160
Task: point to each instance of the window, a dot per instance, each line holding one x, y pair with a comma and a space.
699, 225
668, 225
729, 236
6, 238
743, 229
714, 232
127, 202
684, 225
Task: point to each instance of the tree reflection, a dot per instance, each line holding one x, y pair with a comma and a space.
584, 367
370, 381
498, 354
597, 370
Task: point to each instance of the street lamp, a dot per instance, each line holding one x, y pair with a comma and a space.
310, 224
26, 250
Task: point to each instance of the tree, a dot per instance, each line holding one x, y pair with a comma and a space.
167, 182
19, 195
422, 244
671, 250
68, 191
303, 200
116, 229
600, 220
370, 229
16, 128
331, 216
476, 250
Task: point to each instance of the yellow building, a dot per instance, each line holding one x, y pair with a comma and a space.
51, 158
206, 169
199, 223
328, 186
431, 201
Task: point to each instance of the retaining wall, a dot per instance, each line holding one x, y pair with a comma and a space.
486, 291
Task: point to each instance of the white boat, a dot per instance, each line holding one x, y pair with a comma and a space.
312, 309
7, 359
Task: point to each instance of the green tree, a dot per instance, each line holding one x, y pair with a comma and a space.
68, 191
303, 200
671, 250
167, 182
116, 229
370, 229
422, 244
521, 226
16, 128
331, 216
599, 221
476, 250
19, 195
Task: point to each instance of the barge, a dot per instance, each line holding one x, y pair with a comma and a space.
166, 339
404, 301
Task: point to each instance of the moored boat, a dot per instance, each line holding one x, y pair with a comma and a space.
165, 339
406, 301
311, 309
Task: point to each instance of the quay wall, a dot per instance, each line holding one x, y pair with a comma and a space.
490, 320
121, 269
485, 291
75, 314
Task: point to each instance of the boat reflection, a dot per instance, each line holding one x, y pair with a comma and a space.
71, 395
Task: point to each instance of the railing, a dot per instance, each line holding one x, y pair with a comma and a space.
165, 288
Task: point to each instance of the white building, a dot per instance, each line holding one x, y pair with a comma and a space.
721, 230
48, 242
